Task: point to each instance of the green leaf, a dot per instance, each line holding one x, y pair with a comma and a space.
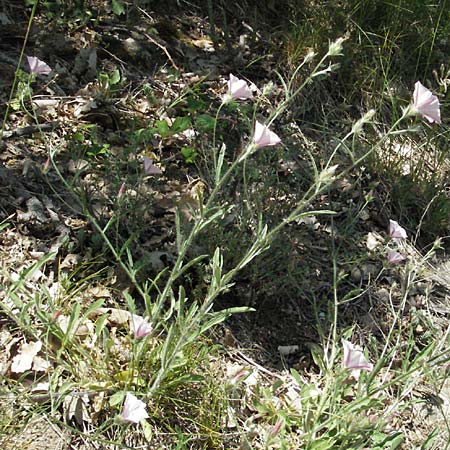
117, 7
220, 316
321, 444
297, 377
163, 128
195, 104
114, 77
97, 304
100, 324
116, 398
183, 379
205, 122
189, 154
4, 225
387, 442
317, 355
180, 124
430, 439
147, 429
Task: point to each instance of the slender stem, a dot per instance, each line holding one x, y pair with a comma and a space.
16, 75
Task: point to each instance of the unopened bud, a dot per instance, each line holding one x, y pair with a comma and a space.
335, 47
367, 117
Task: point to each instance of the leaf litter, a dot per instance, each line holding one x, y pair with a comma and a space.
45, 224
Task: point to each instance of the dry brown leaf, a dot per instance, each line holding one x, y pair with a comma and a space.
76, 407
24, 359
117, 316
40, 364
374, 239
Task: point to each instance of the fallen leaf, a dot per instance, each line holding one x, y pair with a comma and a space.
24, 359
75, 407
373, 240
116, 316
40, 364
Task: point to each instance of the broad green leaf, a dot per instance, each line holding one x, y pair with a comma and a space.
117, 7
114, 77
163, 128
195, 104
189, 154
205, 122
180, 124
147, 429
116, 398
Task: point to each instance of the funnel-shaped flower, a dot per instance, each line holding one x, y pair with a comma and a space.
396, 231
133, 410
37, 66
141, 326
263, 137
394, 257
237, 89
150, 168
426, 104
354, 358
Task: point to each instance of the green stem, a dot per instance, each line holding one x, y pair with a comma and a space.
16, 75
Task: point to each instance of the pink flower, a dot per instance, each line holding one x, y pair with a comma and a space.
263, 137
37, 66
426, 104
150, 168
237, 90
354, 358
133, 410
396, 231
394, 257
141, 326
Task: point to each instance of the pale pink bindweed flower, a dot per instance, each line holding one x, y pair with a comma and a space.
150, 168
141, 326
396, 231
354, 358
237, 90
263, 137
394, 257
134, 410
426, 104
37, 66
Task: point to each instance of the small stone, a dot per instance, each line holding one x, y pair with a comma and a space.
383, 294
356, 275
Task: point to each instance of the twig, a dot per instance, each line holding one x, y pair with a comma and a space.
31, 129
153, 41
258, 366
164, 49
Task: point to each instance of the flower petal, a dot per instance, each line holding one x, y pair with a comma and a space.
354, 358
396, 231
426, 104
263, 137
238, 89
394, 257
141, 326
134, 410
37, 66
150, 168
